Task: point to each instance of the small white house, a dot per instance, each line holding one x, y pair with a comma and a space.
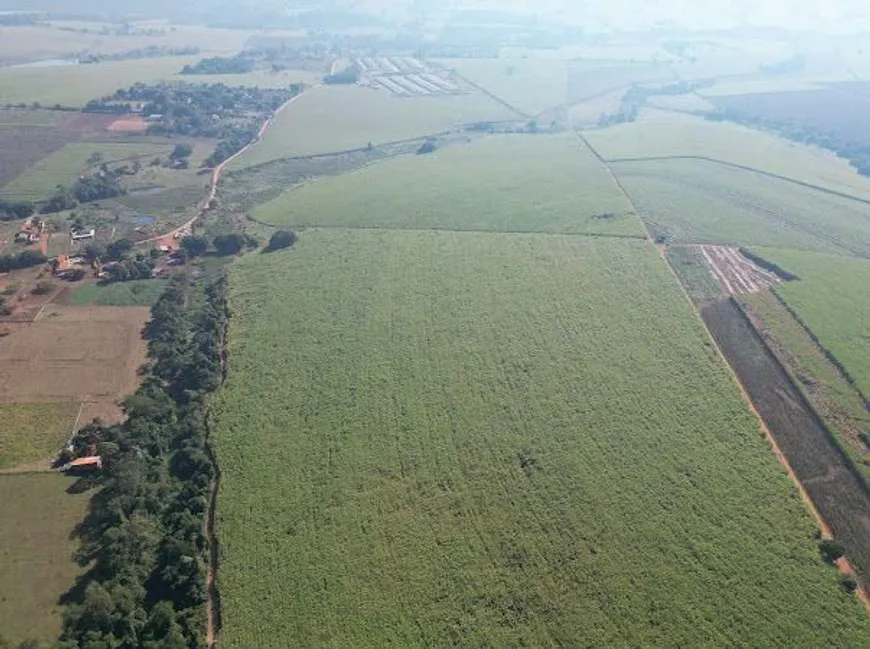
81, 235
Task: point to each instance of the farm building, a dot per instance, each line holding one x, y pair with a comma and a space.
85, 465
81, 235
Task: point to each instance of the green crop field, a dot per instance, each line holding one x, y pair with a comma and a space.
135, 293
478, 439
694, 273
591, 78
37, 519
694, 201
75, 85
33, 432
65, 165
531, 85
330, 118
661, 134
833, 302
520, 183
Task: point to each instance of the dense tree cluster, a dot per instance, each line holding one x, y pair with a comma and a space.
86, 190
10, 211
238, 64
282, 239
24, 259
857, 153
145, 531
128, 270
148, 52
347, 76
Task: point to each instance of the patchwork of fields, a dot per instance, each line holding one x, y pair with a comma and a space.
483, 439
517, 183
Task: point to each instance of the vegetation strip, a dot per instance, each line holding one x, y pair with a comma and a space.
146, 531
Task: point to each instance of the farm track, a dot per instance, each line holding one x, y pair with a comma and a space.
736, 273
216, 177
755, 170
491, 95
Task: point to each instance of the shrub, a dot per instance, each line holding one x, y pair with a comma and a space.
282, 239
43, 288
848, 583
831, 550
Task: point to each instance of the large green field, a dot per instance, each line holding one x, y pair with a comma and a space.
37, 521
694, 201
478, 439
331, 118
531, 85
663, 134
32, 432
519, 183
832, 300
65, 165
143, 292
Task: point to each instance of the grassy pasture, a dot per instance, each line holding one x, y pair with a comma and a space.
329, 119
136, 293
37, 518
539, 183
530, 85
75, 85
65, 165
433, 438
693, 201
692, 103
659, 133
832, 301
32, 432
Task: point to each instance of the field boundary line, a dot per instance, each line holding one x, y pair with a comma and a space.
734, 165
482, 89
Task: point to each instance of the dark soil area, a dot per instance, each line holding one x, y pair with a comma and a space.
839, 111
826, 474
23, 146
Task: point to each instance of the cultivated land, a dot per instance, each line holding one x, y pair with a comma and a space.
34, 432
518, 183
64, 166
832, 301
529, 85
73, 353
483, 439
659, 134
37, 519
330, 118
695, 201
588, 79
144, 292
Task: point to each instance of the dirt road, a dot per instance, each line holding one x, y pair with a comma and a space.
216, 177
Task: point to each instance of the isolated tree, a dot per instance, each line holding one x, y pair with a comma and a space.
194, 245
229, 244
831, 550
282, 239
181, 150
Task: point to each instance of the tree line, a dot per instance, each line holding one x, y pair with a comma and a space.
144, 535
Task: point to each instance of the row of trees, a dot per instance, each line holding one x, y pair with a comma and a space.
234, 243
636, 98
85, 190
9, 211
857, 153
24, 259
238, 64
144, 535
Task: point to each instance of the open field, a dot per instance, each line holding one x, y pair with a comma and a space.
37, 519
736, 273
588, 113
65, 165
73, 353
831, 110
35, 43
695, 201
75, 85
23, 143
663, 134
832, 301
832, 483
515, 183
30, 432
692, 103
136, 293
834, 398
587, 79
530, 85
331, 118
760, 84
482, 440
694, 273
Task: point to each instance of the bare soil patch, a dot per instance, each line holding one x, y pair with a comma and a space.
88, 354
826, 474
87, 122
736, 273
128, 124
